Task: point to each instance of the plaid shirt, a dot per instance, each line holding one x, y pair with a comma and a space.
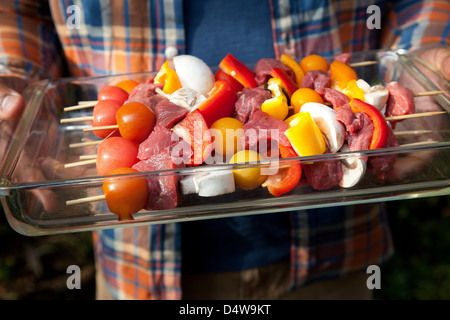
132, 36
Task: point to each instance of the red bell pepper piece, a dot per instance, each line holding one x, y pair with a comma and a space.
194, 130
286, 178
221, 75
289, 85
220, 102
381, 128
238, 70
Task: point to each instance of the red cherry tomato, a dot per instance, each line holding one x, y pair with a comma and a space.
125, 196
285, 179
136, 121
105, 115
116, 152
112, 93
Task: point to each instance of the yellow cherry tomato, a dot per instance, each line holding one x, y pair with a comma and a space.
304, 95
313, 62
247, 178
227, 133
127, 85
341, 74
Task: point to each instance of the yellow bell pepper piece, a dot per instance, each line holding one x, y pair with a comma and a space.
289, 120
294, 66
277, 106
353, 91
305, 136
169, 78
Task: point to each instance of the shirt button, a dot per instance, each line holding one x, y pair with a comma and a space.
170, 52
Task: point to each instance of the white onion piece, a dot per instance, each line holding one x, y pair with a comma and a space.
216, 183
209, 184
194, 73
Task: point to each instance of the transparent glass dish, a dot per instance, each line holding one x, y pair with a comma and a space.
35, 186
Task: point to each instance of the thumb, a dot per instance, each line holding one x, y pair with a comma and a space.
11, 103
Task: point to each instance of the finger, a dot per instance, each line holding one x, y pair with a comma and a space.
54, 169
30, 173
440, 58
446, 66
411, 165
11, 103
442, 61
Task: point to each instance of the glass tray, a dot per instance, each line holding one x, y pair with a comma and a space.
32, 172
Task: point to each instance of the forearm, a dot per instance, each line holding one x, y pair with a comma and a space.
29, 46
417, 24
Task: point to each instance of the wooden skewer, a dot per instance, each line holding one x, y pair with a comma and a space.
114, 126
393, 118
429, 93
88, 156
404, 133
420, 94
94, 156
362, 63
87, 102
414, 115
77, 119
81, 105
419, 143
84, 144
80, 163
84, 200
102, 197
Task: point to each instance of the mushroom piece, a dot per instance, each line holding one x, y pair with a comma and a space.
325, 118
375, 95
209, 184
353, 169
184, 97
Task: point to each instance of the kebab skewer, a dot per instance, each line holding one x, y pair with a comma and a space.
393, 118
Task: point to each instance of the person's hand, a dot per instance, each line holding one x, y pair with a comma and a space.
414, 163
11, 101
11, 107
439, 58
30, 168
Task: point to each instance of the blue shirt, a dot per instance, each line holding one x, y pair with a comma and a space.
240, 242
211, 41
